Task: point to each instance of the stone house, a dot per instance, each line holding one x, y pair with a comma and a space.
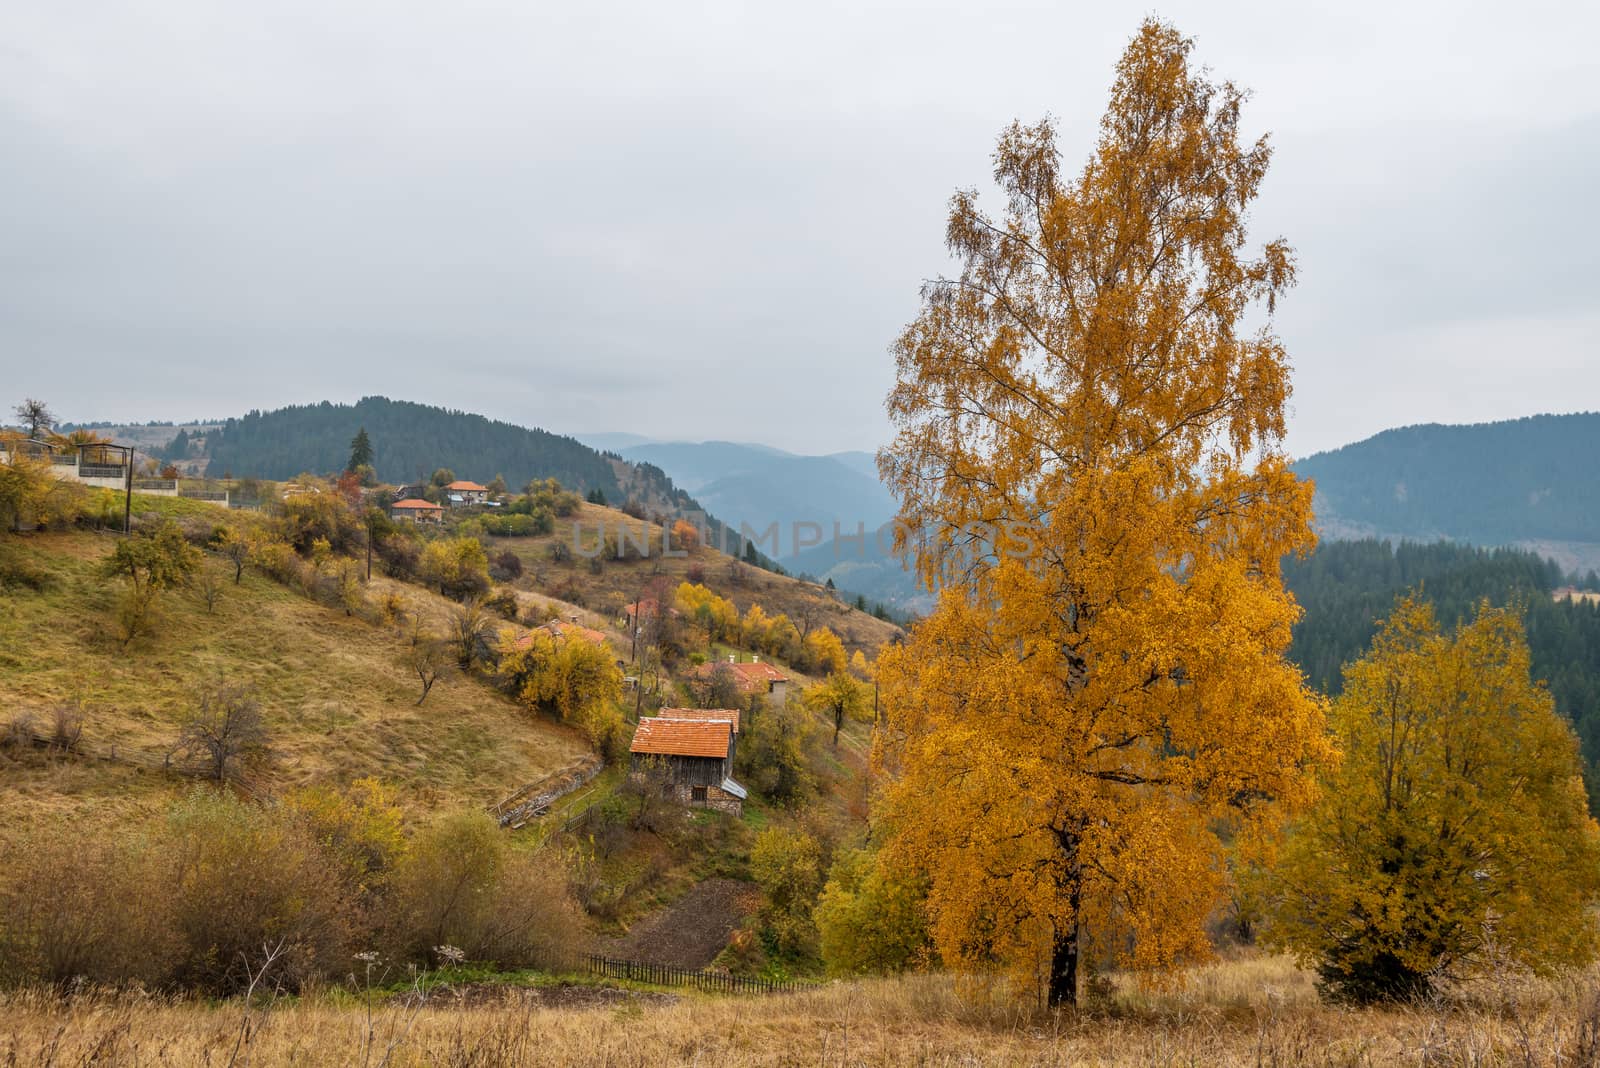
755, 677
461, 493
416, 511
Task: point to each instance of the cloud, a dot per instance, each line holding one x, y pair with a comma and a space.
712, 222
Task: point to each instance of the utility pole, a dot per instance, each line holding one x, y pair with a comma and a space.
127, 489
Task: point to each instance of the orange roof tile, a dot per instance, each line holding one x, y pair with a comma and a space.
760, 670
463, 484
566, 630
703, 715
752, 678
414, 503
678, 737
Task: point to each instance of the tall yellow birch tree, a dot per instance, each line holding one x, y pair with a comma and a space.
1088, 420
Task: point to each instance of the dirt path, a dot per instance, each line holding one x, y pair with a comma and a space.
691, 932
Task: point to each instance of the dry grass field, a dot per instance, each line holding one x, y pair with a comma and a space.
335, 690
1250, 1011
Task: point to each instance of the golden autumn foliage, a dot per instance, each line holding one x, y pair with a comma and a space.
1454, 837
1086, 457
577, 681
824, 651
717, 616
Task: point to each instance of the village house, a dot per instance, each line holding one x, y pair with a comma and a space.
462, 493
754, 677
729, 716
690, 761
567, 630
644, 611
416, 510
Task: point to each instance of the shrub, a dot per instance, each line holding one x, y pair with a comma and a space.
277, 560
306, 518
506, 566
399, 555
470, 630
31, 496
787, 864
869, 919
17, 572
503, 603
461, 885
457, 566
66, 726
75, 906
358, 830
242, 877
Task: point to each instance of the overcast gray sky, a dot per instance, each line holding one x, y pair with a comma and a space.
696, 221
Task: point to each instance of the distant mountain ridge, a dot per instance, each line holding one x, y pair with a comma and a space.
758, 485
1531, 482
410, 441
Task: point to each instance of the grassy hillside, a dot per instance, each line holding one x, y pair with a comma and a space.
619, 582
335, 691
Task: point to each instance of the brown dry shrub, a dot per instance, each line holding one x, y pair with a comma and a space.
243, 877
83, 908
461, 884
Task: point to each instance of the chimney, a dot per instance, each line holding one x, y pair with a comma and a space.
731, 659
755, 659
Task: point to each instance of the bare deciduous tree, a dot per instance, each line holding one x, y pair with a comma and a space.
427, 659
208, 586
35, 415
226, 730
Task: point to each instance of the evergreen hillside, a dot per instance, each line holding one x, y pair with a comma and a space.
1523, 480
410, 441
1346, 587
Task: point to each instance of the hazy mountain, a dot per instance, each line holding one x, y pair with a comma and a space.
613, 441
759, 485
864, 462
1530, 482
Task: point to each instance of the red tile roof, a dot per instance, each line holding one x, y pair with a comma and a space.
678, 737
760, 670
413, 503
752, 678
564, 629
703, 715
465, 485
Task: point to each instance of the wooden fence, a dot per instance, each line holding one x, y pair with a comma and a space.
37, 731
671, 975
534, 799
